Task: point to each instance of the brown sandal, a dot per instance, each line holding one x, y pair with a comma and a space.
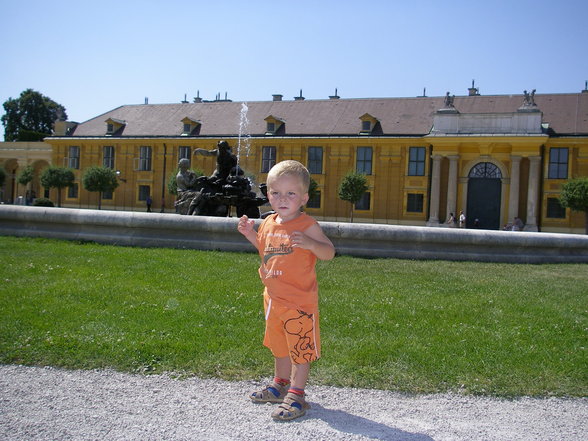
272, 393
293, 406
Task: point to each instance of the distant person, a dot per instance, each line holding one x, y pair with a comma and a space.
289, 243
462, 220
451, 221
476, 223
148, 201
517, 225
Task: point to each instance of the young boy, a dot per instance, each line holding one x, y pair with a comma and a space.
289, 243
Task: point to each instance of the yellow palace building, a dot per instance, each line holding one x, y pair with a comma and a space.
493, 157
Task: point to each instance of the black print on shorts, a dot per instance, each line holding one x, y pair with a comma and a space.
302, 326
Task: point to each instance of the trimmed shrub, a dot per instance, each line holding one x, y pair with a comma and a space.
43, 202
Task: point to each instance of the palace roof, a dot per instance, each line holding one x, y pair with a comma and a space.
562, 114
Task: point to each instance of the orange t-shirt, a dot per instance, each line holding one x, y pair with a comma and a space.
287, 272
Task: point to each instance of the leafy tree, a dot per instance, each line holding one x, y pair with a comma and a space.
352, 188
172, 186
57, 177
30, 117
574, 195
99, 179
26, 175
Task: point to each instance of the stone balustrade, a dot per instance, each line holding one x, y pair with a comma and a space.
367, 240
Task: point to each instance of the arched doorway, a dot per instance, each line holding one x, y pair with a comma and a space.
484, 196
10, 184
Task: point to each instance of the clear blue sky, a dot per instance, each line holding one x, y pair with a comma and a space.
93, 56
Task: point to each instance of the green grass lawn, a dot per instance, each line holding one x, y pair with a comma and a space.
411, 326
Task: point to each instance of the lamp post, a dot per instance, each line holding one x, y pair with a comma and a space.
118, 173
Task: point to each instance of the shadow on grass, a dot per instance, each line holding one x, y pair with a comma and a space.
348, 423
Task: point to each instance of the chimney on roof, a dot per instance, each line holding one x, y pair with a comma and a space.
277, 97
63, 128
585, 87
473, 91
197, 98
334, 97
185, 102
299, 98
146, 100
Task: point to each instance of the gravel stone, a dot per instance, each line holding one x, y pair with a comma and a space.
39, 404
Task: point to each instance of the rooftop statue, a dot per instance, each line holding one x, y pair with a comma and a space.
529, 99
448, 100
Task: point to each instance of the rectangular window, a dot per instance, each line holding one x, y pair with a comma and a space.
416, 161
268, 158
107, 195
558, 163
364, 202
144, 192
414, 203
364, 160
108, 156
74, 157
315, 201
187, 128
271, 127
366, 126
145, 158
554, 209
72, 192
315, 160
184, 153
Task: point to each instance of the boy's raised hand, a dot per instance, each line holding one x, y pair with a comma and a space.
245, 225
314, 239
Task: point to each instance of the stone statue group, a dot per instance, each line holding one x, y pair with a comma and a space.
214, 195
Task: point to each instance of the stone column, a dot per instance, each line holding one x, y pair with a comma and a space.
533, 194
452, 186
515, 184
435, 188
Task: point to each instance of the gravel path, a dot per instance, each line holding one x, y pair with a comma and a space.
54, 404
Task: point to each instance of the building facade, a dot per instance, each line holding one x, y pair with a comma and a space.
493, 157
14, 157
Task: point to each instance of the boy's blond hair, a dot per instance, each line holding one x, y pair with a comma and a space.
290, 168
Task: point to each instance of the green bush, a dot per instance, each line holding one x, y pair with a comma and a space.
43, 202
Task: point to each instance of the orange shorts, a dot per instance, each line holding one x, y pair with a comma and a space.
291, 332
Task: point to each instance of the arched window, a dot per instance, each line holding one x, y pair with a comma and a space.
485, 170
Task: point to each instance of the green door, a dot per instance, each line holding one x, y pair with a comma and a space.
484, 197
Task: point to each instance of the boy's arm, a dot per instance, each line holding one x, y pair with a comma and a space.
314, 239
245, 227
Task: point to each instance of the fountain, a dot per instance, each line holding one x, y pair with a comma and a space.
215, 195
244, 137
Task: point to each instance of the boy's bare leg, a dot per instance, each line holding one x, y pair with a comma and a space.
283, 367
299, 375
